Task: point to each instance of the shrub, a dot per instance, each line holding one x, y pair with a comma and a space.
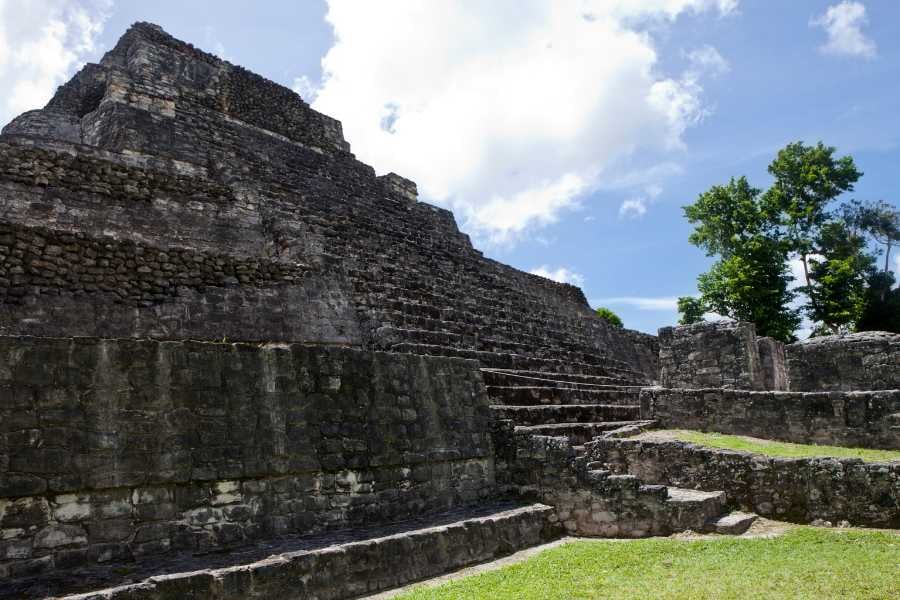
609, 316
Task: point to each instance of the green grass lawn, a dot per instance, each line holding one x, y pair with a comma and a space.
803, 563
771, 448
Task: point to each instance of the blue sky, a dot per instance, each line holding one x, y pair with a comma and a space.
565, 136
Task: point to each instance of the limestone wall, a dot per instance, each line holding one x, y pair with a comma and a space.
856, 419
862, 361
710, 354
120, 449
788, 489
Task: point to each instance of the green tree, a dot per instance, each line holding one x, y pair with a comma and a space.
753, 234
807, 180
750, 279
729, 216
691, 310
838, 272
881, 311
878, 220
609, 316
753, 286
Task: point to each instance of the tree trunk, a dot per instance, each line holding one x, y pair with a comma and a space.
809, 294
887, 260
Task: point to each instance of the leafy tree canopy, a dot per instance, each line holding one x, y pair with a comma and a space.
691, 310
754, 233
609, 316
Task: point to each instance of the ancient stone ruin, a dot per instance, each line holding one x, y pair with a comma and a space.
236, 363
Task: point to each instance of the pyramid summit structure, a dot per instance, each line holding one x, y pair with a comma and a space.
190, 198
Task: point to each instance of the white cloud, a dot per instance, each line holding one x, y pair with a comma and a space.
562, 275
304, 86
508, 112
707, 59
637, 206
633, 208
668, 303
215, 44
843, 25
42, 42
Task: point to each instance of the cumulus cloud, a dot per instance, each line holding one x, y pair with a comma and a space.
636, 207
633, 208
562, 275
707, 60
509, 112
843, 25
42, 42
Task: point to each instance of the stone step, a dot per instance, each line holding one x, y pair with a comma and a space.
454, 320
534, 395
734, 523
353, 565
504, 360
693, 509
455, 287
566, 413
388, 337
500, 377
578, 433
444, 315
469, 298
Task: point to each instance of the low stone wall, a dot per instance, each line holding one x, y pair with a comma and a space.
348, 567
856, 419
862, 361
545, 469
792, 489
716, 354
112, 450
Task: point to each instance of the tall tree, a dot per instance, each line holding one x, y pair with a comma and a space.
838, 271
882, 306
753, 286
879, 220
754, 233
750, 279
807, 180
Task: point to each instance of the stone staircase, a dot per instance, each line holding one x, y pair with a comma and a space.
579, 406
685, 509
583, 405
480, 310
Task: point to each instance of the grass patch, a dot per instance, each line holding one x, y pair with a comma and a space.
785, 449
802, 563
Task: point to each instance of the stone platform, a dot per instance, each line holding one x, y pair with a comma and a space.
341, 564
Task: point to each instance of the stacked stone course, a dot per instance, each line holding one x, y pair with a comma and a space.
863, 361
